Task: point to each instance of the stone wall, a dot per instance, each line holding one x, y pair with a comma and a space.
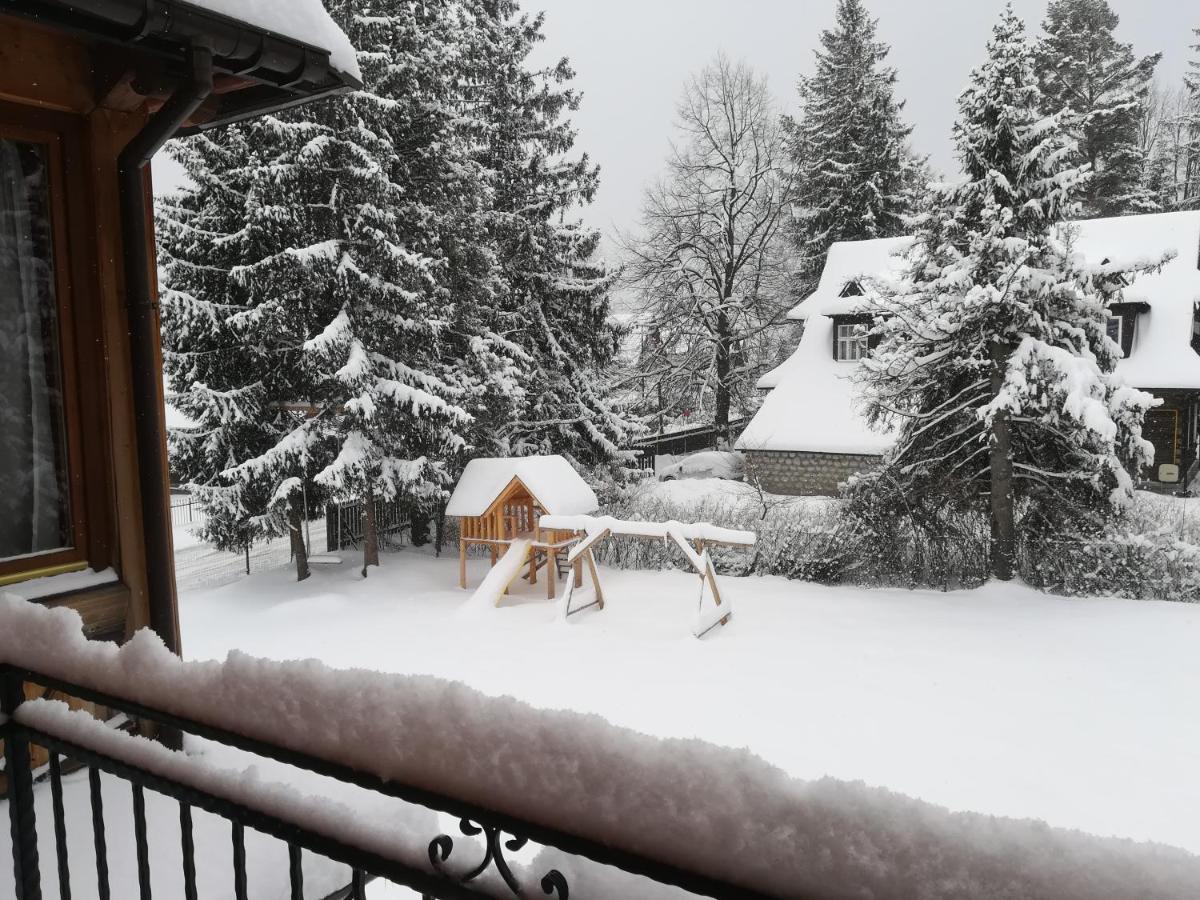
802, 473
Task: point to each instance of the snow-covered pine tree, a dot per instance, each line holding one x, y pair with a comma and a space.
853, 174
226, 383
552, 299
363, 268
708, 264
993, 361
1082, 67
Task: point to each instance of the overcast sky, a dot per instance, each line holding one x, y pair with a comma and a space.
632, 57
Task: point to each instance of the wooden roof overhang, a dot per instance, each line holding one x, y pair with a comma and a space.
140, 54
512, 489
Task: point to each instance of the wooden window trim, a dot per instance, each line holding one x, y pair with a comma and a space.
62, 136
838, 340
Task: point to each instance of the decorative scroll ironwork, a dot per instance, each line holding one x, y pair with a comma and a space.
442, 846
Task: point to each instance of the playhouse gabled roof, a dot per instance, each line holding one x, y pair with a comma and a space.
815, 405
550, 479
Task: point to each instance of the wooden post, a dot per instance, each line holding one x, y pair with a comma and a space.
591, 562
551, 572
462, 556
578, 573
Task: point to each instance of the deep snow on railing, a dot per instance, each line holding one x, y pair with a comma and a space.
714, 820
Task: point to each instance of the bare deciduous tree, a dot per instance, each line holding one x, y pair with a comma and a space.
708, 265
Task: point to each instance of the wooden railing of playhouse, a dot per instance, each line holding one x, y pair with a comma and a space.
693, 539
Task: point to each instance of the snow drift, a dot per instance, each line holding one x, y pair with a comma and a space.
719, 811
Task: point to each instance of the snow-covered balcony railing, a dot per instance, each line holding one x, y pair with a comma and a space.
357, 774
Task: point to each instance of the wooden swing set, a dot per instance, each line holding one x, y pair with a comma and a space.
590, 531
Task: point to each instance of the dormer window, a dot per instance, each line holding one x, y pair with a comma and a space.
1115, 326
1114, 281
851, 289
850, 342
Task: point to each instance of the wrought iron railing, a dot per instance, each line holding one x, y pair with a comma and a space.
501, 833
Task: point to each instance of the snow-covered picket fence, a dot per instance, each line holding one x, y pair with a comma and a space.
717, 811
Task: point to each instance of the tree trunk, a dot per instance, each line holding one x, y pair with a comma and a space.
721, 416
296, 534
439, 529
1001, 465
370, 532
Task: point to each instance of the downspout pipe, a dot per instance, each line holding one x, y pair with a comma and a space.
143, 320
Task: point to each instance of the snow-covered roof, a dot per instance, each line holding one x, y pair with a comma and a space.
851, 262
306, 21
814, 404
551, 479
1161, 355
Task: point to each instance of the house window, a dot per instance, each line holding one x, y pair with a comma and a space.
851, 289
35, 506
48, 485
1115, 326
851, 342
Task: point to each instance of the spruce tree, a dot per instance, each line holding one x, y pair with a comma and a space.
853, 175
552, 298
225, 383
359, 273
1083, 68
993, 361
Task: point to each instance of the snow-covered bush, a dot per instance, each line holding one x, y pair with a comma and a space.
795, 534
1152, 553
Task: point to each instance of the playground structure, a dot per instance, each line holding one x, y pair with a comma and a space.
589, 531
498, 504
535, 513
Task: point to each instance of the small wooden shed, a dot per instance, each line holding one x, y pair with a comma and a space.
500, 500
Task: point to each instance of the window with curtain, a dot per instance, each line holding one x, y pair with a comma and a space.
34, 503
851, 342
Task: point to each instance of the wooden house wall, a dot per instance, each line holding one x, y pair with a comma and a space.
48, 80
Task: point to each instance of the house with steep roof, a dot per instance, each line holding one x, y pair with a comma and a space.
810, 434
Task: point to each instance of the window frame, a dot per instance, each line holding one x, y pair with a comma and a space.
60, 141
1120, 338
861, 339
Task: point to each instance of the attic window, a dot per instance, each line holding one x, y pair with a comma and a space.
1115, 279
850, 342
852, 289
1115, 326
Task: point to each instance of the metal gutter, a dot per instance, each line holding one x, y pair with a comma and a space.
280, 72
143, 318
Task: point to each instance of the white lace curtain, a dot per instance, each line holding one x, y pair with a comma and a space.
33, 500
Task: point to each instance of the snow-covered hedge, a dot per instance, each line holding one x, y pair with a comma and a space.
719, 811
1151, 553
795, 535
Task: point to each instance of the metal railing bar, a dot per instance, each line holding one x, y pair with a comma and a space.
546, 836
189, 851
295, 872
265, 823
139, 836
60, 828
97, 797
239, 861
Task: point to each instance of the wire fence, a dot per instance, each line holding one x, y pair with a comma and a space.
200, 565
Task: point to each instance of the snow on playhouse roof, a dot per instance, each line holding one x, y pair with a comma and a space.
302, 20
551, 480
814, 404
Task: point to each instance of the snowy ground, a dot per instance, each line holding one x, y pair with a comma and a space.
1001, 700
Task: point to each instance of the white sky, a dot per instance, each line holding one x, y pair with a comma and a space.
632, 56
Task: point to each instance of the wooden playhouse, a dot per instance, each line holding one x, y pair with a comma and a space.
498, 503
